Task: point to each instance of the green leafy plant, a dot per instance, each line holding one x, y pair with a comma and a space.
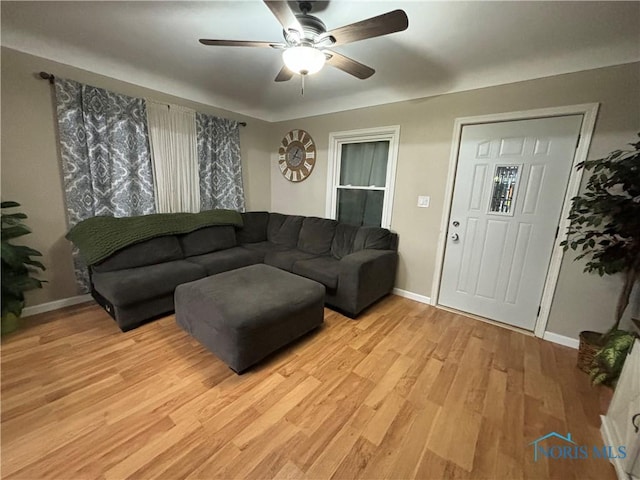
608, 362
605, 221
17, 265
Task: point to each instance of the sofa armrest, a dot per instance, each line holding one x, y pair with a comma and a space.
366, 258
366, 276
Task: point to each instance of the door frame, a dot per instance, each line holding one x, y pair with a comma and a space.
590, 113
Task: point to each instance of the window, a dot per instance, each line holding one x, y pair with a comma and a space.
362, 166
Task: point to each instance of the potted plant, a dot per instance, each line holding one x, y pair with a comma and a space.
607, 364
17, 267
605, 228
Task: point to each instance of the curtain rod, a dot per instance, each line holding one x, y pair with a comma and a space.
51, 78
47, 76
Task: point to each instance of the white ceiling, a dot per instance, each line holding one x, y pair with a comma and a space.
448, 47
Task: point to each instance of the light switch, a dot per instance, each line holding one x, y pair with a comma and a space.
423, 201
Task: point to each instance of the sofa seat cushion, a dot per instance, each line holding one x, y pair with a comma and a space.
132, 285
285, 260
149, 252
325, 270
316, 235
208, 239
229, 259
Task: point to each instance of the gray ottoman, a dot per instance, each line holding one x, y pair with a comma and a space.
244, 315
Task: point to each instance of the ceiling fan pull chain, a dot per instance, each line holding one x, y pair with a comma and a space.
302, 89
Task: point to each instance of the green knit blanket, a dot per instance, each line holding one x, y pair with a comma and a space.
99, 237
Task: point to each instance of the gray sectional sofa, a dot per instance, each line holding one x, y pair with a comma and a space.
357, 265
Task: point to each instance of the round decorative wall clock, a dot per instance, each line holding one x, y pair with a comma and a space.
297, 155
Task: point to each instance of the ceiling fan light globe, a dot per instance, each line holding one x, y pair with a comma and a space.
303, 60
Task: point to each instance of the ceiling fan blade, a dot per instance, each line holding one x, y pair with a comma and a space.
284, 74
240, 43
390, 22
283, 13
349, 65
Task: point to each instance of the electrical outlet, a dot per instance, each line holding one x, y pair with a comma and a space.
423, 201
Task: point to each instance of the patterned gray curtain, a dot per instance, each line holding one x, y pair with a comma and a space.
106, 162
219, 163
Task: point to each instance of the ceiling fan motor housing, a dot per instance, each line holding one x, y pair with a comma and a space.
313, 30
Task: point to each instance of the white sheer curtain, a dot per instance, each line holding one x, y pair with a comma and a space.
174, 153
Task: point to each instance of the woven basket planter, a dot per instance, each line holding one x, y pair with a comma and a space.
590, 344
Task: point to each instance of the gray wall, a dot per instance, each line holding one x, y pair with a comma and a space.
426, 127
31, 172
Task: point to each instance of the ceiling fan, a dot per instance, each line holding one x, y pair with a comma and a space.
307, 42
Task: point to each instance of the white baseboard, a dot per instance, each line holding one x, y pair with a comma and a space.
561, 339
412, 296
55, 305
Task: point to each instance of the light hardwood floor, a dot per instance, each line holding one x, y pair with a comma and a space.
405, 391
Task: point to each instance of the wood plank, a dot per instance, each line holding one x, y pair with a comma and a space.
383, 418
356, 460
146, 456
272, 439
346, 402
277, 412
389, 381
375, 365
414, 443
457, 444
496, 395
424, 383
290, 472
381, 464
329, 460
487, 449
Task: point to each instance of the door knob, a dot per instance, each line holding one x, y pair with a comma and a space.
455, 237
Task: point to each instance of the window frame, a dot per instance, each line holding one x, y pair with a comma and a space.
389, 133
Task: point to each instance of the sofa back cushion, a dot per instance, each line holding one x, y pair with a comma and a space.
375, 238
208, 239
342, 244
316, 235
284, 229
254, 227
149, 252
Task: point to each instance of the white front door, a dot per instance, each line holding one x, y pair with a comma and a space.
510, 185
